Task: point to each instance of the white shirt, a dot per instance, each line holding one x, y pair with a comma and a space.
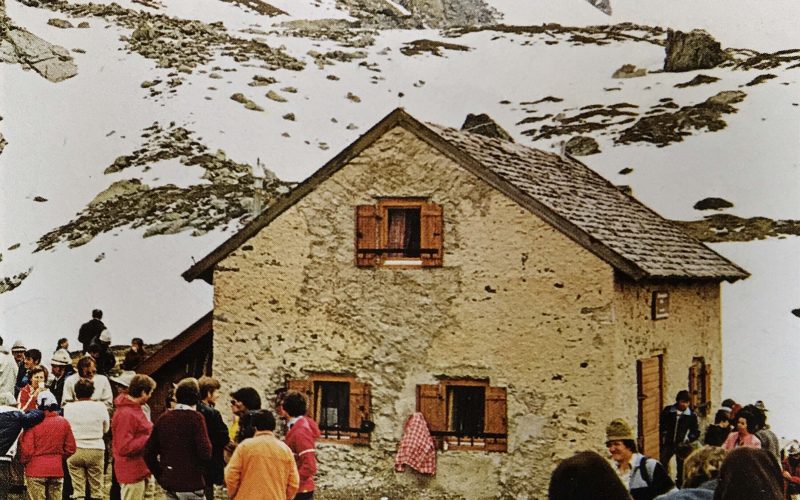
89, 421
8, 372
102, 390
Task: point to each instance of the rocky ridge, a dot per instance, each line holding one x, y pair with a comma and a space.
20, 46
228, 195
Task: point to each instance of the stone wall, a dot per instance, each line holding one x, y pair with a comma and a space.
516, 302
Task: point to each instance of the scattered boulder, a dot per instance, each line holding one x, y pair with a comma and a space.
39, 199
625, 171
60, 23
119, 188
697, 80
289, 116
760, 79
712, 204
629, 71
432, 47
690, 51
581, 146
352, 97
248, 104
796, 312
83, 25
275, 96
484, 125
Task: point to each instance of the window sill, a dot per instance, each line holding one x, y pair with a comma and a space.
402, 262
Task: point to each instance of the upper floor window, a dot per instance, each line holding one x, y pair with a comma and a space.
405, 232
339, 404
465, 414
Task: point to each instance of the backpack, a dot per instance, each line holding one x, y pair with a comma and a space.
644, 472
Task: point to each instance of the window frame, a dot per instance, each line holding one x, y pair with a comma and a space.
440, 416
358, 391
372, 233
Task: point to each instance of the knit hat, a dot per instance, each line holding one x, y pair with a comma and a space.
619, 430
18, 346
124, 378
61, 358
105, 336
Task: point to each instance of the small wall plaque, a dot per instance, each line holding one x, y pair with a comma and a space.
660, 305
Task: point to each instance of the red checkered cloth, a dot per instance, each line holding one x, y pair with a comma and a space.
417, 447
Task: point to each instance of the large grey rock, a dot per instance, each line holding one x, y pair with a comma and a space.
484, 125
51, 61
690, 51
581, 146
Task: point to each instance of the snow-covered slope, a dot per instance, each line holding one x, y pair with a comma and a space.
63, 136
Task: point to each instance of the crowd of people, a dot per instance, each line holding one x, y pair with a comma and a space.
62, 429
739, 459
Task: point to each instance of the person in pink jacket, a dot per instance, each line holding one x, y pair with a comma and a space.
130, 430
744, 435
42, 450
301, 438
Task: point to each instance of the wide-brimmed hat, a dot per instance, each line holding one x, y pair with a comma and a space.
18, 346
124, 378
61, 358
619, 430
760, 405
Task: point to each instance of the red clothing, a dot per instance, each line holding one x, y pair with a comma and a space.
301, 438
26, 402
417, 447
179, 450
130, 430
44, 446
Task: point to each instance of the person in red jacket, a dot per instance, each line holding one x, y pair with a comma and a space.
301, 438
42, 450
130, 430
179, 448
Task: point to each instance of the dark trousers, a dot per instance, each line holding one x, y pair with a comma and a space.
667, 451
308, 495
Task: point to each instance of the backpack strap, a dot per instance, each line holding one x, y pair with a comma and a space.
644, 472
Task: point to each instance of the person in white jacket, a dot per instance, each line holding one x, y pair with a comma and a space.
89, 421
8, 370
102, 387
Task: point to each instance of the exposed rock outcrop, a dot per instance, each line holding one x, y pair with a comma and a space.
727, 227
629, 71
690, 51
712, 204
581, 146
484, 125
19, 46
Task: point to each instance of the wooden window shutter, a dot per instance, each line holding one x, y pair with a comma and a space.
432, 234
496, 419
366, 235
694, 392
359, 403
707, 387
431, 403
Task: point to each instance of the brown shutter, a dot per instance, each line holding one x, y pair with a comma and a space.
431, 403
694, 392
359, 403
496, 420
432, 234
306, 388
707, 388
366, 235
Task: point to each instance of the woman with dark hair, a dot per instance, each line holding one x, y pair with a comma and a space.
63, 343
744, 435
749, 474
135, 354
718, 432
37, 379
586, 476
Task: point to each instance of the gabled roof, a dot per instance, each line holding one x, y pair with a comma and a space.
176, 346
564, 192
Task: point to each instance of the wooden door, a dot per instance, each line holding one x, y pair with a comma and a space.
649, 378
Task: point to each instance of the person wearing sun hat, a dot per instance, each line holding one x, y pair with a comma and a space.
644, 477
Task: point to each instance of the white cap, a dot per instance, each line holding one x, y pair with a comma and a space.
105, 336
61, 358
18, 346
124, 378
46, 398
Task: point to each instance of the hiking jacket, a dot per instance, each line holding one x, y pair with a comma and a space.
43, 447
262, 467
301, 438
218, 434
12, 421
130, 430
179, 450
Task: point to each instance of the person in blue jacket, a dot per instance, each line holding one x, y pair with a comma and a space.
12, 423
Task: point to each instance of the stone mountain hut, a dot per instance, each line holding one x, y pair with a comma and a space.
515, 298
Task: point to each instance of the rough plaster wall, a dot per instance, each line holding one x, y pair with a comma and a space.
516, 302
692, 330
